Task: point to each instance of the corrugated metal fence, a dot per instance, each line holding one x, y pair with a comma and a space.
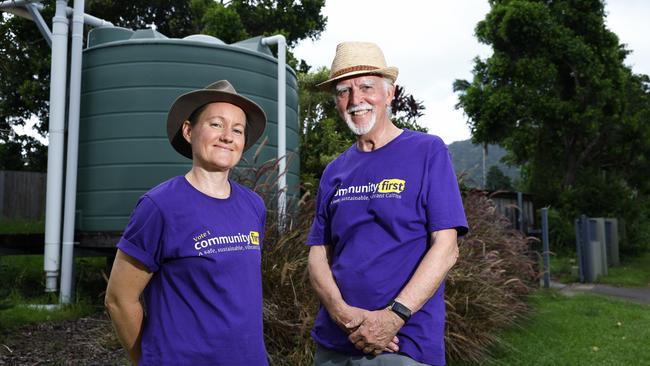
22, 194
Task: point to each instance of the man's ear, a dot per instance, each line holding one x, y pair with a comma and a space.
390, 95
187, 131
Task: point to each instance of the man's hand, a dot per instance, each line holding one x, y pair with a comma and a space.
376, 331
344, 314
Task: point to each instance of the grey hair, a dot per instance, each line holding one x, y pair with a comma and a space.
388, 83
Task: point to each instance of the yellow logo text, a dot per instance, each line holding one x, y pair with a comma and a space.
254, 237
391, 186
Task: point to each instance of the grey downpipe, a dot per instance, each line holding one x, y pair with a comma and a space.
67, 251
55, 147
282, 125
40, 23
16, 7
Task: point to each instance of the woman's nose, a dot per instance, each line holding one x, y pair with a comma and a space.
226, 135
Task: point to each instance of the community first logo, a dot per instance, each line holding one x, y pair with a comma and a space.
239, 241
387, 188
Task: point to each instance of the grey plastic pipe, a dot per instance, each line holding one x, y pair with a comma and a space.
55, 147
67, 245
282, 125
16, 7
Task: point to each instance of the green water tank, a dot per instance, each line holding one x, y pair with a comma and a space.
129, 81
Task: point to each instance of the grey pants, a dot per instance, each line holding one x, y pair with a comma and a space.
326, 357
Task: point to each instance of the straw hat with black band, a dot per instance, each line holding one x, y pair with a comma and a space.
358, 58
220, 91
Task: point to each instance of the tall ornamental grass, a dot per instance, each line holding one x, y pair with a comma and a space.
486, 290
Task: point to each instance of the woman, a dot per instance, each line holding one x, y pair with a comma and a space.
192, 245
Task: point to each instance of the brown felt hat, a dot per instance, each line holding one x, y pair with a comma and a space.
220, 91
358, 58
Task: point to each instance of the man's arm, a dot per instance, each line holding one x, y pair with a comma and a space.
128, 279
322, 281
375, 327
432, 270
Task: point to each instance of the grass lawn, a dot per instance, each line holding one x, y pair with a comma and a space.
633, 271
581, 330
19, 226
23, 284
561, 269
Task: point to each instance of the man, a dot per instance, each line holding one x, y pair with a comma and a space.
388, 215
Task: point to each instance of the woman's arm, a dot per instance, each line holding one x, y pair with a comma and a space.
127, 281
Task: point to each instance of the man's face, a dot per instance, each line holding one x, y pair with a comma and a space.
361, 100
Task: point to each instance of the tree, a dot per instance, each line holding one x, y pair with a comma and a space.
407, 110
556, 94
25, 56
496, 180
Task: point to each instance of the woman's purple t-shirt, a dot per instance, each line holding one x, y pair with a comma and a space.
204, 301
377, 209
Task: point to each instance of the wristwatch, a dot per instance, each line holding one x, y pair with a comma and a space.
400, 309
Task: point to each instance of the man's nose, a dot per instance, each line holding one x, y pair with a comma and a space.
355, 97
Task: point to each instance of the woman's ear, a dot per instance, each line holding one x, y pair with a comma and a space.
187, 131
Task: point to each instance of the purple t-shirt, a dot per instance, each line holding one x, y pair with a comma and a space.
204, 301
377, 209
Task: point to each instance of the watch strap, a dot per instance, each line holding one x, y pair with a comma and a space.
400, 309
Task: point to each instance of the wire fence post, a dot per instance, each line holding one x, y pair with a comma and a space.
546, 251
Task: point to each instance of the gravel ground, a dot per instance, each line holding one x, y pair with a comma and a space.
84, 341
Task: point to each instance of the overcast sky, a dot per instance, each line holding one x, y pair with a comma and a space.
432, 43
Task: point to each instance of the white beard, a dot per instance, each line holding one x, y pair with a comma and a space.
360, 130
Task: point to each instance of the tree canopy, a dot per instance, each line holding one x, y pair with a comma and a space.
497, 180
25, 56
557, 95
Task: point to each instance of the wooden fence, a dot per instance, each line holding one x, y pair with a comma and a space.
22, 195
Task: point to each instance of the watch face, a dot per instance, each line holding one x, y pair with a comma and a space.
401, 310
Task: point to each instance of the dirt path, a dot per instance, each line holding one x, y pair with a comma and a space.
84, 341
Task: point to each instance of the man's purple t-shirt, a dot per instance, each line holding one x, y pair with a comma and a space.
377, 209
204, 301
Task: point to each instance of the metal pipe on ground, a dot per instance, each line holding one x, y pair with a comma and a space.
67, 252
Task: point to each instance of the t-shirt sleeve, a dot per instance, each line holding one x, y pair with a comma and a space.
142, 238
444, 206
320, 233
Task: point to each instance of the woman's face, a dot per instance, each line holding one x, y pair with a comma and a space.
217, 138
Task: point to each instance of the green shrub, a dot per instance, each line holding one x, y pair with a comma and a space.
561, 232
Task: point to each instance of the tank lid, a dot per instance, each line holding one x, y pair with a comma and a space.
147, 34
254, 44
204, 38
101, 35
